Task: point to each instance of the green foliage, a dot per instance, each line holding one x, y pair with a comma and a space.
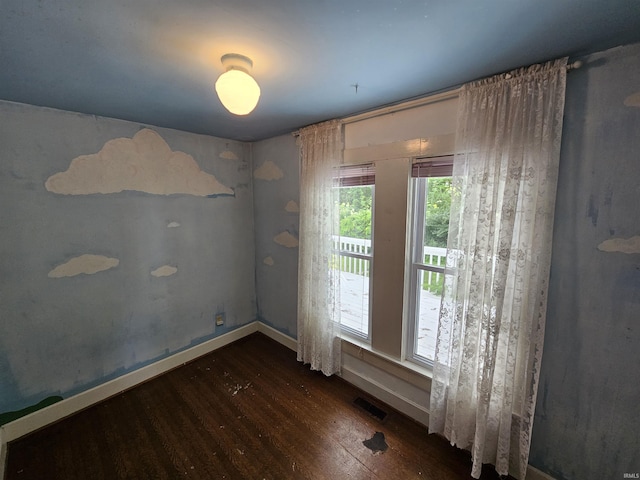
355, 221
7, 417
355, 211
438, 207
436, 284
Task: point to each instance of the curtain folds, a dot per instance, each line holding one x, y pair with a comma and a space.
318, 284
492, 317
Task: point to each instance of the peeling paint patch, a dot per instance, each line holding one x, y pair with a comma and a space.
164, 271
173, 225
268, 171
268, 261
633, 100
292, 207
144, 163
286, 240
84, 264
228, 155
621, 245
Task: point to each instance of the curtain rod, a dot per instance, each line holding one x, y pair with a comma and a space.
418, 102
574, 66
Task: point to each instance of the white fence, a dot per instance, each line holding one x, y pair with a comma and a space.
355, 257
355, 254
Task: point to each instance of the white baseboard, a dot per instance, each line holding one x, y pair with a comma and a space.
53, 413
534, 474
279, 337
3, 455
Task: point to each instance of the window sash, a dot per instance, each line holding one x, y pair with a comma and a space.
421, 170
357, 176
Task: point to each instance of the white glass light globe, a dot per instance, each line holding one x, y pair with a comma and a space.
238, 91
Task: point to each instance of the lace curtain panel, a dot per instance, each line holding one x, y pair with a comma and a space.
318, 283
492, 317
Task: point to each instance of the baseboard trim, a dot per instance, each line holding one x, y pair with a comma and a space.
534, 474
3, 454
53, 413
278, 336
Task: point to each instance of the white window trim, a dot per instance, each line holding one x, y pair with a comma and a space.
347, 332
417, 197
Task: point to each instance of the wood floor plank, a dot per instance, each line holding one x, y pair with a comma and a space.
248, 410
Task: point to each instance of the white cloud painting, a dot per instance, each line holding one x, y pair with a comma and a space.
292, 207
268, 171
633, 100
164, 271
621, 245
268, 261
144, 163
84, 264
228, 155
286, 240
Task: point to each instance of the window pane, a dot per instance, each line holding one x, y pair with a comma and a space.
354, 247
354, 297
427, 310
355, 211
432, 204
436, 212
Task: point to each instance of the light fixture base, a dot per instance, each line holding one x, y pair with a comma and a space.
235, 61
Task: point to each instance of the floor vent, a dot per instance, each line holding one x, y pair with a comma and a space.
370, 408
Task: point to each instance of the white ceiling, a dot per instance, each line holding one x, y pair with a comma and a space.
155, 61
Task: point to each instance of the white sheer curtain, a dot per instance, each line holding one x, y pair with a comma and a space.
318, 283
490, 336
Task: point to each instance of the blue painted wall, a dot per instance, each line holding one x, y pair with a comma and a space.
587, 423
277, 280
64, 335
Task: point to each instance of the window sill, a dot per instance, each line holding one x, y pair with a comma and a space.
411, 372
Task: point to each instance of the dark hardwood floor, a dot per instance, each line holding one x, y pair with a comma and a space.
248, 410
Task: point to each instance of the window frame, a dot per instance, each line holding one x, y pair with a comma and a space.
349, 176
422, 169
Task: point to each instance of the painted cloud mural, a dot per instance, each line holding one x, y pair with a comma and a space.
87, 264
164, 271
144, 163
633, 100
228, 155
292, 207
268, 171
622, 245
268, 261
286, 240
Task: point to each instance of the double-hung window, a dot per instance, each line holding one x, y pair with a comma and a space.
431, 202
354, 194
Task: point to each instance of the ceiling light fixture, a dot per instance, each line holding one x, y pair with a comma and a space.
237, 90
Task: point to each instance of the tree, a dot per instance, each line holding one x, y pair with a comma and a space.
438, 208
355, 211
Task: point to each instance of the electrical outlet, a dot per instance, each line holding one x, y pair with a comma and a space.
219, 319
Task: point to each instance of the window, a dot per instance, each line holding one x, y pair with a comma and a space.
354, 197
431, 203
